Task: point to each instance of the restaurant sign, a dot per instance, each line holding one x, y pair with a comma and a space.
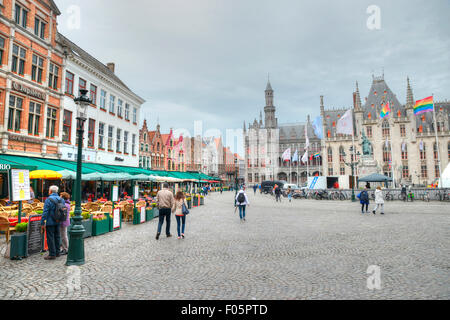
28, 91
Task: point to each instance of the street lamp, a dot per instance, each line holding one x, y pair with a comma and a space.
352, 164
235, 176
75, 255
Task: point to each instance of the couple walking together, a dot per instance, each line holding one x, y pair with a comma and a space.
167, 204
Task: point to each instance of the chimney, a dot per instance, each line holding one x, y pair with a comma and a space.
111, 66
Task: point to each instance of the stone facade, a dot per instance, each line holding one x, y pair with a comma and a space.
410, 139
264, 143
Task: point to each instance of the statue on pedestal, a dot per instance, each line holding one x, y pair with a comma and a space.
366, 145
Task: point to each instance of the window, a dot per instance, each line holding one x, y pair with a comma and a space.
134, 115
51, 122
101, 135
369, 116
119, 108
93, 94
250, 177
142, 147
146, 149
33, 118
91, 133
110, 138
127, 111
112, 103
125, 142
436, 171
420, 130
330, 171
448, 150
15, 113
69, 82
435, 151
37, 68
402, 130
386, 152
385, 129
341, 154
119, 138
404, 149
53, 76
369, 131
18, 59
330, 155
423, 171
423, 151
21, 16
440, 124
103, 99
67, 126
157, 147
81, 84
342, 171
133, 144
2, 48
405, 172
39, 28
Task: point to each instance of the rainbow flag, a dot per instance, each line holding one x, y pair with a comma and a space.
316, 155
424, 105
385, 111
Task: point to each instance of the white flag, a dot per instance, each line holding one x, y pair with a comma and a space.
287, 155
295, 157
421, 145
345, 123
305, 157
306, 137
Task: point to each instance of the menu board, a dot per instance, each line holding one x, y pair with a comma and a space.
115, 193
20, 185
116, 219
142, 214
136, 192
34, 234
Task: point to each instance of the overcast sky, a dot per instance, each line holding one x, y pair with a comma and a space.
208, 60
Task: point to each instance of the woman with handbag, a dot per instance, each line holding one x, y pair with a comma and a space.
180, 210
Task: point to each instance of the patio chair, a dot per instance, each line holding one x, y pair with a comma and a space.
6, 227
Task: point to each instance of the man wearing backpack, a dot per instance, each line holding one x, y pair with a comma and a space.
55, 212
277, 193
241, 202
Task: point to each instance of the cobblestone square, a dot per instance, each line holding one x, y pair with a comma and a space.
305, 249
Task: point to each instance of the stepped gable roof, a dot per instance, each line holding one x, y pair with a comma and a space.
379, 94
77, 51
290, 131
426, 120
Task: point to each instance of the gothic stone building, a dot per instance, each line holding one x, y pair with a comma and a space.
265, 143
410, 138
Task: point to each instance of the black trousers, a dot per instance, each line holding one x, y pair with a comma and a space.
164, 212
53, 239
362, 207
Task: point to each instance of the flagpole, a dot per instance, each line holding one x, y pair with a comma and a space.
437, 144
353, 147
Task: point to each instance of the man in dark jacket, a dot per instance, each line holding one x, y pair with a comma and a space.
278, 193
364, 200
49, 225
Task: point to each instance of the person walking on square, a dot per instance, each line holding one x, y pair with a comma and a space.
364, 200
278, 194
50, 225
241, 203
63, 228
165, 203
179, 215
289, 192
254, 188
379, 201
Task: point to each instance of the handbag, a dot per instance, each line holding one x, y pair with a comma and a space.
184, 209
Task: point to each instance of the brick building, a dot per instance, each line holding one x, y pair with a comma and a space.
31, 63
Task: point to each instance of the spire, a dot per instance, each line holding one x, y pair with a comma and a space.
268, 87
357, 98
409, 95
322, 108
245, 128
260, 118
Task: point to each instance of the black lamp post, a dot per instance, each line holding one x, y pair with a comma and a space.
235, 177
352, 164
75, 254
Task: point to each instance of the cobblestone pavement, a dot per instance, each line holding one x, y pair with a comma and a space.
305, 249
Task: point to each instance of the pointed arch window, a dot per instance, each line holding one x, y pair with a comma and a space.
341, 154
435, 151
404, 149
423, 151
330, 155
385, 130
386, 152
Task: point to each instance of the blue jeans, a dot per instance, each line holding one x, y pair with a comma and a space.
164, 212
242, 212
53, 240
181, 223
